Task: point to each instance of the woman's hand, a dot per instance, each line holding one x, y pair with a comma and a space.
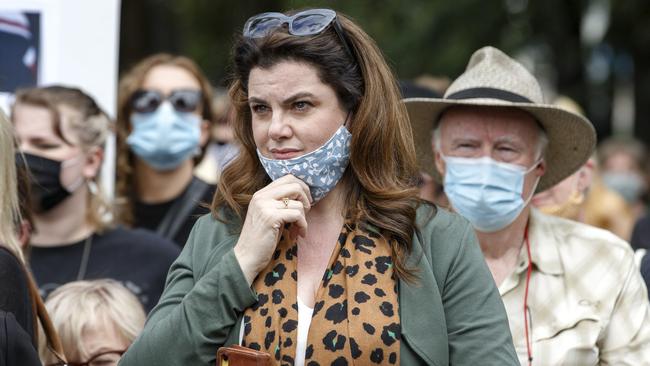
285, 200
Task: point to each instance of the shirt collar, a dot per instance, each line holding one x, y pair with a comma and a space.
543, 239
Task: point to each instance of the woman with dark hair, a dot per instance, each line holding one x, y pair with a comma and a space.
318, 249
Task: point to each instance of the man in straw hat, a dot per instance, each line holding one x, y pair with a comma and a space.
572, 292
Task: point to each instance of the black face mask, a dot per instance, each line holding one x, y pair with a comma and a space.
46, 188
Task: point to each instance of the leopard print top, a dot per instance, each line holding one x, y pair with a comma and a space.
356, 314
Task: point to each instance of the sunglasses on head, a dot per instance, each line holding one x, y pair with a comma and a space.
304, 23
183, 100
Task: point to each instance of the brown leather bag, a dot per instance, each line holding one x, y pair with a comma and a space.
236, 355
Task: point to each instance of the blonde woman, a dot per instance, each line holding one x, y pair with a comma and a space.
20, 305
61, 132
97, 321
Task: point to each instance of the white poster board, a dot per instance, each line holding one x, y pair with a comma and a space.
77, 46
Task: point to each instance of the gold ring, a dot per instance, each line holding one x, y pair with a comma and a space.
285, 200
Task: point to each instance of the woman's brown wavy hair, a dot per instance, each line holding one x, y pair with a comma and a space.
129, 84
380, 179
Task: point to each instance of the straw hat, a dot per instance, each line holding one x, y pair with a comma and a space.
494, 79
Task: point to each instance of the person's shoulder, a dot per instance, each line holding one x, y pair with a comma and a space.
208, 192
579, 243
441, 230
208, 223
581, 236
213, 228
438, 220
7, 256
9, 261
12, 270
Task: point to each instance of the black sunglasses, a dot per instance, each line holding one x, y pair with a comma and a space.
304, 23
183, 100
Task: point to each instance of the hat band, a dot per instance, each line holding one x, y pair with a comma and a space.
491, 93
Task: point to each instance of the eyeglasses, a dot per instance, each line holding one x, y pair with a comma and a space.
304, 23
107, 358
183, 100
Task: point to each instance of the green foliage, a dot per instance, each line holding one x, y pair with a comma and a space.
419, 36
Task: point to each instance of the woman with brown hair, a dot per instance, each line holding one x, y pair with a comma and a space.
61, 133
319, 250
163, 119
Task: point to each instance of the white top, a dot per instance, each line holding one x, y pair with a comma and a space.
304, 320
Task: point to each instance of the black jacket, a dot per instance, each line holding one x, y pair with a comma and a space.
16, 348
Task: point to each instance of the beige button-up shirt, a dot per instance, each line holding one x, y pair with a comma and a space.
588, 302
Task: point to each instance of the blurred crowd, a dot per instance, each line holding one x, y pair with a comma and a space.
81, 270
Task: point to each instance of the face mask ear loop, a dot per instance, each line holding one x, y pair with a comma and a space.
71, 162
532, 191
79, 182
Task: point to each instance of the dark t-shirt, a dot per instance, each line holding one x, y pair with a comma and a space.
641, 234
150, 216
139, 259
14, 291
645, 270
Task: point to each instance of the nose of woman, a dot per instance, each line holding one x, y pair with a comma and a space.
280, 127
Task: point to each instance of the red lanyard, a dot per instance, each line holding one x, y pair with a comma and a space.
529, 346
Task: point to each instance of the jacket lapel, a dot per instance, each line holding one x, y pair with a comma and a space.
422, 315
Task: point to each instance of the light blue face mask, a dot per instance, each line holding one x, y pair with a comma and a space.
628, 184
486, 192
165, 138
320, 169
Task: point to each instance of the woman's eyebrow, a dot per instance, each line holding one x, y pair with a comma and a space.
297, 96
256, 100
286, 101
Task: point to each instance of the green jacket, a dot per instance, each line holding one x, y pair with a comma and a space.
453, 315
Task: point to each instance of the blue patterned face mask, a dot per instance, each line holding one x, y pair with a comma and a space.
165, 138
486, 192
320, 169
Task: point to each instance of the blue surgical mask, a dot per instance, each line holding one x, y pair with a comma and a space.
320, 169
486, 192
165, 138
628, 184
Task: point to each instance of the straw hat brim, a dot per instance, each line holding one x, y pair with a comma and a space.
571, 137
